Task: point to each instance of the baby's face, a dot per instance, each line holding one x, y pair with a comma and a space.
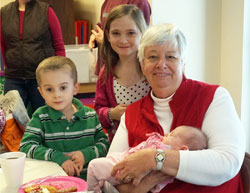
173, 139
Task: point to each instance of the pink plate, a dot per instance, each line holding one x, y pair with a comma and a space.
60, 182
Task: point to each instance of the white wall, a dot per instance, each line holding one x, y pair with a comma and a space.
245, 110
232, 48
235, 57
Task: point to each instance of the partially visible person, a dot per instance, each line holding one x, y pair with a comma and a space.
96, 38
1, 58
120, 81
182, 138
30, 32
63, 131
173, 101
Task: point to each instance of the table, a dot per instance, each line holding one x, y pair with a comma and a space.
34, 169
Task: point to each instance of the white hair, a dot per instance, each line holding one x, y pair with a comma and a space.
161, 34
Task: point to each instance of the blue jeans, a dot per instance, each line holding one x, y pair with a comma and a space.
27, 90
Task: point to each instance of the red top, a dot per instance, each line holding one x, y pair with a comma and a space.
105, 99
21, 24
55, 30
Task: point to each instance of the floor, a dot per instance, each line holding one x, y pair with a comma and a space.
87, 99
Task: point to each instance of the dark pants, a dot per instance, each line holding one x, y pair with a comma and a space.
27, 90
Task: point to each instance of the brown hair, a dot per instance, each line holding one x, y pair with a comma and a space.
110, 57
56, 63
194, 138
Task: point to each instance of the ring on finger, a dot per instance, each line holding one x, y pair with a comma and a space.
128, 178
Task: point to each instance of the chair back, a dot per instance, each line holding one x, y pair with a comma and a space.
245, 173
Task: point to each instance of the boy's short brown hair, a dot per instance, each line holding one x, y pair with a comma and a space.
55, 63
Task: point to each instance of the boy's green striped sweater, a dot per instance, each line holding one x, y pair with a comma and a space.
49, 135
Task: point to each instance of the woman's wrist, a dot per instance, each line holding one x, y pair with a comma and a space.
110, 118
154, 164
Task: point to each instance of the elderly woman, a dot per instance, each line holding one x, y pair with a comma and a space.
173, 101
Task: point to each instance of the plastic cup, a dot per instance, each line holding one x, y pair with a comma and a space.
12, 164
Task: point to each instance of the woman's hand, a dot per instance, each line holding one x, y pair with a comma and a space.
70, 168
116, 112
146, 184
135, 167
78, 158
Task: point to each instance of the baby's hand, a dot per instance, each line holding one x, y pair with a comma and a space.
70, 168
78, 158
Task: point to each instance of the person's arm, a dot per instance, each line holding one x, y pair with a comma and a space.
102, 101
222, 159
56, 33
147, 183
32, 144
226, 145
93, 40
132, 165
145, 8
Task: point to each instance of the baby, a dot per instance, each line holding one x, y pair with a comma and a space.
181, 138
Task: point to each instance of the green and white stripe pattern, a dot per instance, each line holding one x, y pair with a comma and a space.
49, 135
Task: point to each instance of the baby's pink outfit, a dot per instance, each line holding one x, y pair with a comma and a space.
99, 169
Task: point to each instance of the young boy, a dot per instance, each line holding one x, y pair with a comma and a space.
181, 138
63, 131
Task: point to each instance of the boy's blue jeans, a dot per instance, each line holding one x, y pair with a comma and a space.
27, 90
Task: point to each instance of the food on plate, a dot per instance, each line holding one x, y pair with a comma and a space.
40, 189
70, 189
48, 189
